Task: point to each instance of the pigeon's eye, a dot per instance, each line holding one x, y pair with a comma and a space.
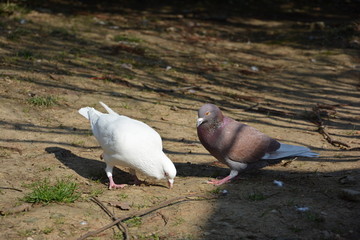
207, 113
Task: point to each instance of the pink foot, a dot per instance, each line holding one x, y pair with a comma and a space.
115, 186
219, 182
222, 181
112, 185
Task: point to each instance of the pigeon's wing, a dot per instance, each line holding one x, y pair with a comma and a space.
243, 143
117, 133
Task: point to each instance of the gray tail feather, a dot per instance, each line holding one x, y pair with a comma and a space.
107, 108
287, 150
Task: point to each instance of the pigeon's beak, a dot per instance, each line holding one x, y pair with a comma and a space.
199, 121
171, 183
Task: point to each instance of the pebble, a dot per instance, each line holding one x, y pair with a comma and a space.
224, 192
302, 209
83, 223
254, 68
350, 195
347, 180
278, 183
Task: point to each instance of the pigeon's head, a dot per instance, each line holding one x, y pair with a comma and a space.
169, 172
209, 114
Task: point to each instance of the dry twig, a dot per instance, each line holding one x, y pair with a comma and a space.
191, 197
322, 129
121, 226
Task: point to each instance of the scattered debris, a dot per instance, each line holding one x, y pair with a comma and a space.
278, 183
174, 108
118, 221
347, 180
127, 66
83, 223
254, 68
121, 205
287, 162
181, 89
350, 195
14, 149
318, 120
224, 192
21, 208
168, 68
302, 209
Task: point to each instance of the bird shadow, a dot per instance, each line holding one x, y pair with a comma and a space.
93, 169
87, 168
200, 170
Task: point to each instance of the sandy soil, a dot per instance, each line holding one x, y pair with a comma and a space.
269, 71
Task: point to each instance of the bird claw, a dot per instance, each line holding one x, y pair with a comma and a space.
218, 182
116, 186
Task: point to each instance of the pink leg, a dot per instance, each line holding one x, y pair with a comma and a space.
109, 170
227, 179
113, 185
221, 181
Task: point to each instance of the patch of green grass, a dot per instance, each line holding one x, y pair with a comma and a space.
314, 217
47, 230
96, 192
78, 143
40, 101
27, 232
44, 192
147, 237
25, 54
7, 9
123, 196
295, 229
17, 34
256, 196
62, 33
134, 222
124, 38
216, 191
178, 221
125, 105
140, 206
118, 236
45, 169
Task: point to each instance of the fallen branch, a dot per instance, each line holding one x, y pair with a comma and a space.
181, 89
14, 149
22, 208
192, 197
121, 226
322, 129
11, 188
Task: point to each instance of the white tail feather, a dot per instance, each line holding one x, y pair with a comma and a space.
85, 112
107, 108
287, 150
91, 114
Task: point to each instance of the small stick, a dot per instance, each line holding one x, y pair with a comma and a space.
170, 202
11, 188
102, 206
322, 130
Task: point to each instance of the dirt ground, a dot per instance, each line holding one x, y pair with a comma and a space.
271, 64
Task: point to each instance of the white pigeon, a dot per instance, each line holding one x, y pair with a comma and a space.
129, 143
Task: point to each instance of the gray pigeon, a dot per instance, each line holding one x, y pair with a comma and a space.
238, 145
130, 143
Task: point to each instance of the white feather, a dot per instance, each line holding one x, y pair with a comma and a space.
287, 150
130, 143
